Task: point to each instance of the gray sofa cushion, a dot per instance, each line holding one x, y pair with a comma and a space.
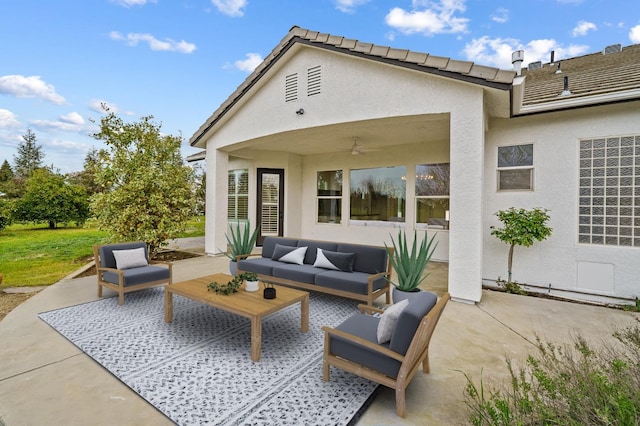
310, 257
107, 259
300, 273
419, 305
364, 326
140, 275
368, 259
336, 260
289, 254
354, 282
259, 265
269, 244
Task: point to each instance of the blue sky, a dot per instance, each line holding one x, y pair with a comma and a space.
178, 60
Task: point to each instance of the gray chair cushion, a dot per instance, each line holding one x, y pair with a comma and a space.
364, 326
312, 251
259, 265
269, 244
419, 305
368, 259
140, 275
353, 282
107, 260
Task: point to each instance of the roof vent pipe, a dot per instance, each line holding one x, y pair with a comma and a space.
517, 58
566, 91
553, 55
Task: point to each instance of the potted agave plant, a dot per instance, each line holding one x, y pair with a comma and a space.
240, 242
409, 263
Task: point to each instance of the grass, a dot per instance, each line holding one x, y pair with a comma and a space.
33, 255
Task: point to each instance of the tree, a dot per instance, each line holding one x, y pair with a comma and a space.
29, 157
148, 190
521, 227
86, 178
6, 173
49, 198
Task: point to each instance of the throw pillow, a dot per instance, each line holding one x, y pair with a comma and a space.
289, 254
133, 258
335, 260
388, 321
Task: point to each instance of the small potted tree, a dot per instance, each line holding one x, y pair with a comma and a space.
409, 263
240, 242
521, 227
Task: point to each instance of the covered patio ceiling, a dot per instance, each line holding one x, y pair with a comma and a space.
374, 134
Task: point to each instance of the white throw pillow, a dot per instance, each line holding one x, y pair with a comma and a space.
133, 258
388, 321
323, 262
295, 256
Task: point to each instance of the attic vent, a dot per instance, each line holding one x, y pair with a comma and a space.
291, 88
535, 65
313, 81
614, 48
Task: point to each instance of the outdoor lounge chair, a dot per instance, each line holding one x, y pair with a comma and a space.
353, 345
125, 267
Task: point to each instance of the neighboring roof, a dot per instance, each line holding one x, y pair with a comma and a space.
446, 67
592, 79
200, 155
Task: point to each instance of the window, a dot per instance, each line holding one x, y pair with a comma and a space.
515, 168
378, 194
238, 193
432, 195
609, 200
329, 196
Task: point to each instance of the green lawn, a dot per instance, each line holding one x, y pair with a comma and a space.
35, 255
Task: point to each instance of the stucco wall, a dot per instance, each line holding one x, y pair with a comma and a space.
556, 170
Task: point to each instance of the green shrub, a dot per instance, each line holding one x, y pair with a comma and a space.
566, 385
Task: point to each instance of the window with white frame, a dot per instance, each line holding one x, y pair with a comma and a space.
378, 195
238, 195
515, 168
329, 194
609, 200
432, 195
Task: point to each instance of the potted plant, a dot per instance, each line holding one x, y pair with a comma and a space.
240, 242
409, 263
251, 279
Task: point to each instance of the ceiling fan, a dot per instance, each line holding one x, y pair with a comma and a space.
358, 149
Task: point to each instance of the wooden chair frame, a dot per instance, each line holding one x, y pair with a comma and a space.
418, 353
120, 287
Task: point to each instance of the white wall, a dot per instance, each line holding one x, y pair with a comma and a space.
606, 270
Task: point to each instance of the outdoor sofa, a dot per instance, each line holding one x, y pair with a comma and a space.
349, 270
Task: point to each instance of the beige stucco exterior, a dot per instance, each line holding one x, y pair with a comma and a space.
409, 117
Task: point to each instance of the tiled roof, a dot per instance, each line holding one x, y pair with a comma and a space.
588, 75
463, 70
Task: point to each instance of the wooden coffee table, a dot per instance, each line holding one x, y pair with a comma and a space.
244, 303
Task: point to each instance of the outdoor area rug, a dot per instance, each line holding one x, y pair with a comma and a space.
198, 369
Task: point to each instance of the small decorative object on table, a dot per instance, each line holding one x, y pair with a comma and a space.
269, 291
252, 281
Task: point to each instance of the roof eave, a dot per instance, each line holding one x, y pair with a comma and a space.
570, 102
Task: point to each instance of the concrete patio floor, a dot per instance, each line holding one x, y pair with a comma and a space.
44, 379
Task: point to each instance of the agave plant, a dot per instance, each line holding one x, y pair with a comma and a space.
242, 240
410, 264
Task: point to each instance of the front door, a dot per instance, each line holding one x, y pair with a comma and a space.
270, 213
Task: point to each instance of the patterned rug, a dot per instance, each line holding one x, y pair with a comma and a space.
198, 369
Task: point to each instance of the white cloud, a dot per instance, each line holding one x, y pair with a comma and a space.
8, 119
129, 3
497, 51
72, 118
230, 7
29, 87
634, 34
501, 15
583, 28
349, 6
432, 18
249, 64
132, 39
